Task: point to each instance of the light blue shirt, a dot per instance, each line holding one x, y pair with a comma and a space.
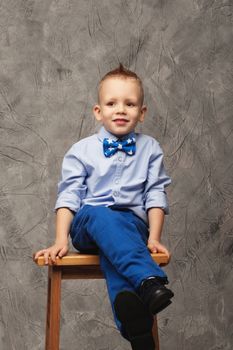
135, 182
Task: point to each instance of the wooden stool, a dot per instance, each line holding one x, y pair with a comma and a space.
75, 266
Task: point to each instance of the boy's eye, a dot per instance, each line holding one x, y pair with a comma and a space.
110, 103
130, 104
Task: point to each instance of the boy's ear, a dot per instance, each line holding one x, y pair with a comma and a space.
97, 112
143, 112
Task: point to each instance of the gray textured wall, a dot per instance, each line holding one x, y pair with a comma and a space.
51, 57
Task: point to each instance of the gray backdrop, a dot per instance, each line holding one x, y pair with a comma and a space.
52, 55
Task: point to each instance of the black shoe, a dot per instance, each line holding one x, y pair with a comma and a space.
136, 320
155, 295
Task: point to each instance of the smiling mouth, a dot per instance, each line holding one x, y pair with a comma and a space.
121, 120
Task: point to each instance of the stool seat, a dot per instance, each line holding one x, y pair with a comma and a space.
77, 259
75, 265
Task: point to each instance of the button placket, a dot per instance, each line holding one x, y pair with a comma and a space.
119, 167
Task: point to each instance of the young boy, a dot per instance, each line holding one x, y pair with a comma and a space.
112, 200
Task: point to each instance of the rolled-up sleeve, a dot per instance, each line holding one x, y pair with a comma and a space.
157, 180
71, 187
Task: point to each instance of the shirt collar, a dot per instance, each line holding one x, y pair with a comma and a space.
103, 133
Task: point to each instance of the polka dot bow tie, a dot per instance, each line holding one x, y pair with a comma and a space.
128, 146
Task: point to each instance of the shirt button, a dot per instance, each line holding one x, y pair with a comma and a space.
115, 193
120, 159
116, 181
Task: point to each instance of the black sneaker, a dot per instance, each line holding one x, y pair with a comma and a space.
155, 295
136, 320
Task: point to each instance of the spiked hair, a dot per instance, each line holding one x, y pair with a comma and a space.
122, 72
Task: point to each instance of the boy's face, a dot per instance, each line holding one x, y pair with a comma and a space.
120, 107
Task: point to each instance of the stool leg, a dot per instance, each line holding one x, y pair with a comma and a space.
53, 308
155, 333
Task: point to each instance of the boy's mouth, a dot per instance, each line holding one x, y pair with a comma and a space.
120, 121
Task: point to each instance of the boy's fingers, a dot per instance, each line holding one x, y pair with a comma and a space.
62, 252
46, 257
36, 256
164, 250
39, 253
53, 255
152, 248
167, 253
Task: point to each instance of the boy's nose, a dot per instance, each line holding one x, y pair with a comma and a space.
120, 109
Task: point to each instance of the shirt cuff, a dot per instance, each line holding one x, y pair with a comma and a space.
67, 202
157, 200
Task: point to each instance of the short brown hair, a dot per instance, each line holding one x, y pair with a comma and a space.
122, 72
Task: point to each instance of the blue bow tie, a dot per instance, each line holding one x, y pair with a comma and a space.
111, 147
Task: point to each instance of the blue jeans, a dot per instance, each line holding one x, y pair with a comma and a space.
120, 238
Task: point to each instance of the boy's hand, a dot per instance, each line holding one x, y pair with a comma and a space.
156, 247
56, 250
